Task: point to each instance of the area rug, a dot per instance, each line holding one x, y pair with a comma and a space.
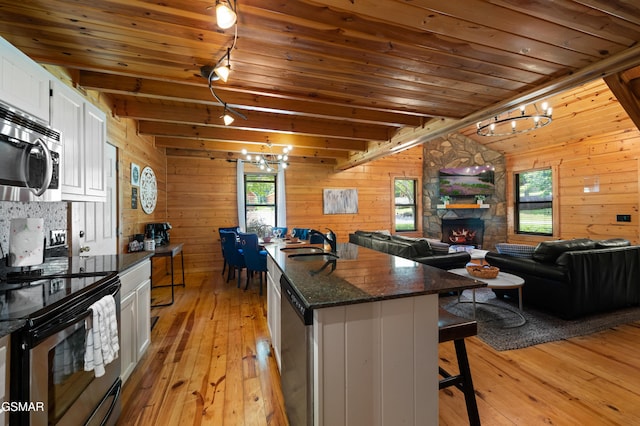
498, 321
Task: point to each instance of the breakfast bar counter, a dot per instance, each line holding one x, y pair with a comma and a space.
355, 334
359, 275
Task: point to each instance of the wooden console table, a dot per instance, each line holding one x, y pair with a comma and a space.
170, 250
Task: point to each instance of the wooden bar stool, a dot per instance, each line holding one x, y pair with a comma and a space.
453, 327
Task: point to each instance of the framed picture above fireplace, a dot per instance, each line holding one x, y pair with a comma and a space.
467, 181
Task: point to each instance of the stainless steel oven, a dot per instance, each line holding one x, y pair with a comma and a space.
49, 353
30, 156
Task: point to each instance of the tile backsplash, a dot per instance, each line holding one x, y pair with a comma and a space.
54, 214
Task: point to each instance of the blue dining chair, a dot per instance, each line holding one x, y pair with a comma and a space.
224, 260
316, 239
255, 257
283, 230
233, 255
302, 233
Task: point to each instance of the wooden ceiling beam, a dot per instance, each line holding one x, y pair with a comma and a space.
236, 148
405, 139
245, 101
625, 94
231, 134
230, 156
210, 115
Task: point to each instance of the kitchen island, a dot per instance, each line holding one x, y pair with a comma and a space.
363, 347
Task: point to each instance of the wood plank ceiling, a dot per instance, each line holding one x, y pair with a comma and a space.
343, 81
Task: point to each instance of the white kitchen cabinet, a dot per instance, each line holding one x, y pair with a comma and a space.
135, 316
83, 129
4, 377
273, 306
143, 310
24, 84
128, 349
95, 137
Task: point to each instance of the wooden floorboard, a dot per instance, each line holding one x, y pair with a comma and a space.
210, 363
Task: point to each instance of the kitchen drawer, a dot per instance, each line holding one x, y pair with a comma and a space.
131, 278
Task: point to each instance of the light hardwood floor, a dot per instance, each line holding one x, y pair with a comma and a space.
210, 363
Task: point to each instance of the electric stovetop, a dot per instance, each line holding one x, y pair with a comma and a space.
24, 292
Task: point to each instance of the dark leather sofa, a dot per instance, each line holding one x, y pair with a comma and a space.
417, 249
574, 278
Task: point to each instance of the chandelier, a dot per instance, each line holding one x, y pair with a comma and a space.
521, 120
269, 160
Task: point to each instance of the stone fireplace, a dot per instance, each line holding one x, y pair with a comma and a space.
465, 231
456, 150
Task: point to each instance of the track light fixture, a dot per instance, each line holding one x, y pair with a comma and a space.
226, 17
226, 13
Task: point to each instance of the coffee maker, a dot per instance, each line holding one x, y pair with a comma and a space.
159, 231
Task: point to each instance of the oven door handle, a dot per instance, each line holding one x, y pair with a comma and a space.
43, 332
115, 391
48, 330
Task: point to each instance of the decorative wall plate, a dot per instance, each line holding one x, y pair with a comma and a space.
148, 190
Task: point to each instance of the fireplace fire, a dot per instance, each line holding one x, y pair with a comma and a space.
469, 231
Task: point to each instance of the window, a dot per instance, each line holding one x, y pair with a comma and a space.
405, 204
533, 210
260, 205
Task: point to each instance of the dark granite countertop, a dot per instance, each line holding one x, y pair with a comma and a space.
8, 327
90, 264
105, 263
362, 275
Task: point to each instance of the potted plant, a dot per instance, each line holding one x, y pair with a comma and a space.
445, 199
480, 199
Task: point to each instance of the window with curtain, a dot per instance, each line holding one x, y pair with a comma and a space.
405, 204
534, 202
260, 203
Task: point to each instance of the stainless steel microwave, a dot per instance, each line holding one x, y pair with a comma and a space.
30, 155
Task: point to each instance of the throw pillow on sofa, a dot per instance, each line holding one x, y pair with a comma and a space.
523, 251
548, 251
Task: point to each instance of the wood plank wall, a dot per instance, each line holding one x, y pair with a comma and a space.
612, 159
203, 199
133, 148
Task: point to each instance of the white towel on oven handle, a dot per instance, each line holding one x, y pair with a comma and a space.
102, 344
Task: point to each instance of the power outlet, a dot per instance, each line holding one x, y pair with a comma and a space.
623, 218
57, 237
